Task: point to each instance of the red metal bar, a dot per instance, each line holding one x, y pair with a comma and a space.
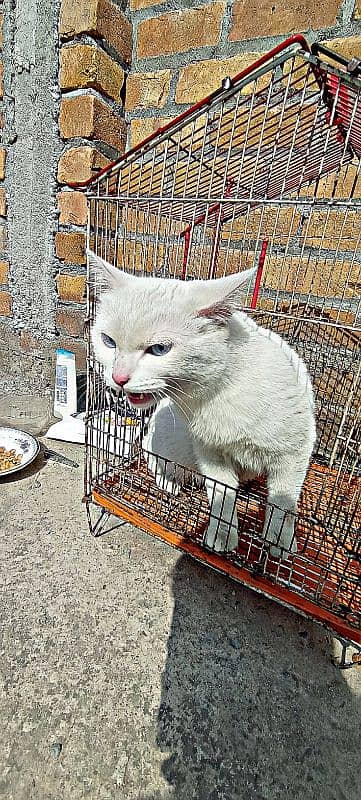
201, 218
296, 39
344, 111
187, 231
259, 273
187, 239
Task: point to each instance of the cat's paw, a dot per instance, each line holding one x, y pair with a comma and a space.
172, 487
168, 485
165, 477
220, 537
281, 531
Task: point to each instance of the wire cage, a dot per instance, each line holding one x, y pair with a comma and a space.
264, 172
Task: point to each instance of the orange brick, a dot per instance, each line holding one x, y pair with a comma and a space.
148, 89
130, 255
72, 207
2, 163
70, 322
203, 77
180, 31
344, 184
105, 215
80, 164
28, 342
333, 229
358, 9
3, 204
252, 18
70, 247
4, 271
142, 128
83, 66
89, 117
349, 47
322, 277
5, 304
136, 4
71, 287
100, 18
143, 223
77, 347
270, 222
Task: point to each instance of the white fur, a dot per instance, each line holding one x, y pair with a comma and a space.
238, 398
168, 436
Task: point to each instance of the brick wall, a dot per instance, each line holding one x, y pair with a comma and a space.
124, 69
183, 50
95, 55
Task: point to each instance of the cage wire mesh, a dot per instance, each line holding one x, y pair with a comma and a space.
265, 173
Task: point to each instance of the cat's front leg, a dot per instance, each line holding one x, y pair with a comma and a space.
165, 474
284, 488
222, 532
279, 526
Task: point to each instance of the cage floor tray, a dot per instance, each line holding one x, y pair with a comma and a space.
322, 580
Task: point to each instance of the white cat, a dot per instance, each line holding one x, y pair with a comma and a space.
234, 399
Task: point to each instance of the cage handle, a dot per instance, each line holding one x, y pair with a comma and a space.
352, 65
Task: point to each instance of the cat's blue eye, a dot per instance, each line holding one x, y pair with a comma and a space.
158, 349
108, 341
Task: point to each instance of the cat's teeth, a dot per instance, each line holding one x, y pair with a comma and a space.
141, 396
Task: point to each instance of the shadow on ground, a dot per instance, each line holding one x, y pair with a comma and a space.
129, 672
251, 707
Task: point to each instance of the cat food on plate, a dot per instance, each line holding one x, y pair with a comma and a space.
8, 459
17, 450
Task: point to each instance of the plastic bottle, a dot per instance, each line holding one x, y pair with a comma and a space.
65, 401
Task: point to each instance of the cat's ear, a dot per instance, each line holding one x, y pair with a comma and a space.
102, 275
219, 298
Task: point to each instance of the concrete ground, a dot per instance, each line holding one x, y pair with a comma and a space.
128, 671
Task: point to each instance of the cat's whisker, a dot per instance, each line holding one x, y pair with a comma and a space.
177, 383
164, 396
174, 384
178, 389
191, 380
183, 379
177, 402
174, 419
182, 401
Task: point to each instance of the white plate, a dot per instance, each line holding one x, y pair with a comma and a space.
24, 445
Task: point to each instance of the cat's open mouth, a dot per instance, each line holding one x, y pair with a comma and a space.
141, 399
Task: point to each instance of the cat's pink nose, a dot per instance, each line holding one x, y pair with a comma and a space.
121, 378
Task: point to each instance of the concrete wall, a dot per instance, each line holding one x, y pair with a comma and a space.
31, 140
